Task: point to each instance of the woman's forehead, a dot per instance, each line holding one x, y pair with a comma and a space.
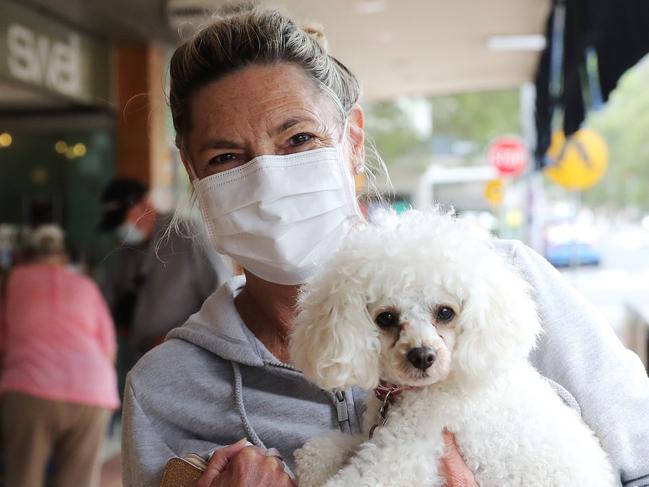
259, 98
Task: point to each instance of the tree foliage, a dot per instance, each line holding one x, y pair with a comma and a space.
478, 117
390, 127
624, 123
475, 117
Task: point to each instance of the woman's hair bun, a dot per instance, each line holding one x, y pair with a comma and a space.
316, 32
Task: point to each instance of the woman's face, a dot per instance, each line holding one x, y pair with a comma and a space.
260, 110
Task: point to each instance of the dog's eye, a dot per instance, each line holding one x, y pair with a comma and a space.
387, 319
444, 313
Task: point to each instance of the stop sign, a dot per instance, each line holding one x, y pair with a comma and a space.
509, 155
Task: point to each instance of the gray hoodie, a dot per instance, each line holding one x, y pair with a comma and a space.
212, 383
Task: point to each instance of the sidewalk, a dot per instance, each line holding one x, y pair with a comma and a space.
111, 472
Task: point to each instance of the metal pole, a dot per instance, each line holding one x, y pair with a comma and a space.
535, 203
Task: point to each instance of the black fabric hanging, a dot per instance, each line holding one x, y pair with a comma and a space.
617, 30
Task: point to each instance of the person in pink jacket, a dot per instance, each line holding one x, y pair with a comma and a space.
57, 383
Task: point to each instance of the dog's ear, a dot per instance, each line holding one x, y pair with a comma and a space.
499, 325
335, 342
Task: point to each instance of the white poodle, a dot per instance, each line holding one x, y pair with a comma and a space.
425, 308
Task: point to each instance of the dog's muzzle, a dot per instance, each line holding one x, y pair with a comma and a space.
421, 357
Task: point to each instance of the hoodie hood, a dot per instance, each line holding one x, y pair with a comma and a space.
219, 329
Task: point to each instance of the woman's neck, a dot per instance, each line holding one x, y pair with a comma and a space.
268, 310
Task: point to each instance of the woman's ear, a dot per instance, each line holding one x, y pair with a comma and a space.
356, 120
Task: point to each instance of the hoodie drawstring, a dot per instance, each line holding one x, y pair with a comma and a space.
250, 432
238, 398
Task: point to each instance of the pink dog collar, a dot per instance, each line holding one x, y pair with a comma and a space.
387, 393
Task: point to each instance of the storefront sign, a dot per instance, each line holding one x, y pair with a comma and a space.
47, 54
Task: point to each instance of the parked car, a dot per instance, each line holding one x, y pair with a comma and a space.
573, 254
569, 243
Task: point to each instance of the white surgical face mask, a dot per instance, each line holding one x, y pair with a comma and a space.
280, 216
128, 233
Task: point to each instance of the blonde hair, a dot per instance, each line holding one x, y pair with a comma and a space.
246, 35
48, 240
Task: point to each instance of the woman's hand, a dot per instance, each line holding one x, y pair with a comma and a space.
242, 464
452, 467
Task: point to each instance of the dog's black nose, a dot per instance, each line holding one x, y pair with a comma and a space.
421, 357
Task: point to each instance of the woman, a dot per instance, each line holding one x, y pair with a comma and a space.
270, 132
58, 384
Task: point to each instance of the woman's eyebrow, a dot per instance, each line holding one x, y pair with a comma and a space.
220, 144
287, 124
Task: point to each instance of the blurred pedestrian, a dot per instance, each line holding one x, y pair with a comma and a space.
156, 279
58, 381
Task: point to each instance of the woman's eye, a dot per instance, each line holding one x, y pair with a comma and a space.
444, 313
223, 158
300, 139
387, 319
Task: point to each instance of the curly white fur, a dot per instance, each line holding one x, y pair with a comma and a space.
510, 426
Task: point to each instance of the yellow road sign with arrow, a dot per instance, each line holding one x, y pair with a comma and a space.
579, 162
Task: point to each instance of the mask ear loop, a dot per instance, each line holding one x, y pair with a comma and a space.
357, 168
191, 172
350, 173
189, 165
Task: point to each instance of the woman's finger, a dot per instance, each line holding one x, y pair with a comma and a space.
254, 466
219, 461
453, 467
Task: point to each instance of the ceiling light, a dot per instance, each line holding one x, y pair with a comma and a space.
368, 7
532, 42
385, 37
60, 147
5, 139
79, 150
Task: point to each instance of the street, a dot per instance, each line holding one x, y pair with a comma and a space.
623, 277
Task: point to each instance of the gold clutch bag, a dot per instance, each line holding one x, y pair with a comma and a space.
183, 472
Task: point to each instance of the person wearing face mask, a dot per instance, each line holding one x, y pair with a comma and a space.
271, 135
153, 282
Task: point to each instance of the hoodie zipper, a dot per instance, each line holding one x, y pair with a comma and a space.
340, 400
342, 412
